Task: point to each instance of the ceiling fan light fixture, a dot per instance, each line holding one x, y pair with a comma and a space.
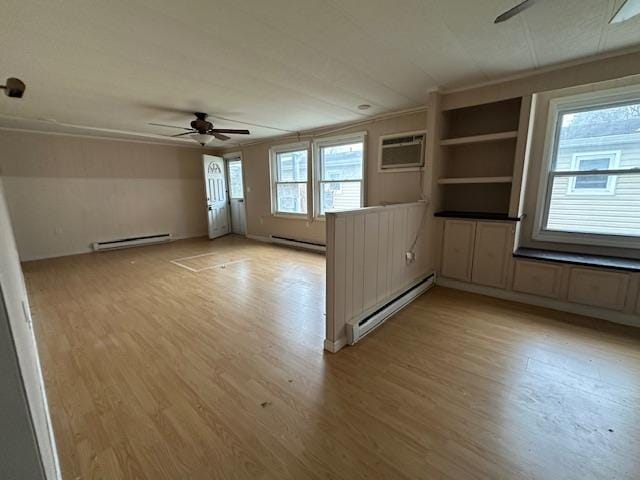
202, 138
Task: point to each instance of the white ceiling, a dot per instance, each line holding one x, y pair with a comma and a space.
111, 67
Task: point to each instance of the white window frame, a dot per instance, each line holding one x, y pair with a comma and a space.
317, 171
273, 152
610, 188
569, 104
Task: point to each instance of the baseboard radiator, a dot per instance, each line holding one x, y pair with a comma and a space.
132, 242
292, 242
358, 329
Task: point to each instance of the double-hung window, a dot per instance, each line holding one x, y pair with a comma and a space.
590, 185
339, 173
290, 179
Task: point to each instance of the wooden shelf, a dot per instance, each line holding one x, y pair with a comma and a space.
490, 137
477, 215
471, 180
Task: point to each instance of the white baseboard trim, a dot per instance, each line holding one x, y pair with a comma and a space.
609, 315
259, 238
90, 250
289, 243
298, 244
359, 327
333, 347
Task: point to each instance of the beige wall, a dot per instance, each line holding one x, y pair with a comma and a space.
18, 451
380, 187
66, 192
600, 70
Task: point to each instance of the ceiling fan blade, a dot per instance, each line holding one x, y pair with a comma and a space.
219, 136
230, 130
514, 11
170, 126
628, 9
185, 133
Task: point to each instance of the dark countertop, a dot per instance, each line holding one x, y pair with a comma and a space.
477, 215
601, 261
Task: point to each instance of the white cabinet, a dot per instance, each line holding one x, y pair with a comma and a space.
457, 249
492, 252
598, 288
537, 278
477, 252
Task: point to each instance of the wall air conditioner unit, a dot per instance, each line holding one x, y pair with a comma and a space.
401, 152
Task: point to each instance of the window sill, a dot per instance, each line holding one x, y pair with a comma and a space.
599, 261
291, 216
589, 239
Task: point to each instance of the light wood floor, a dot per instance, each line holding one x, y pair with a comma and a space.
157, 371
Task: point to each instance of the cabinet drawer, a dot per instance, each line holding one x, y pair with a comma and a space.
537, 278
598, 288
491, 254
457, 249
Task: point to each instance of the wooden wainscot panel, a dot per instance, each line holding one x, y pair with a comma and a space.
491, 254
598, 288
457, 249
537, 278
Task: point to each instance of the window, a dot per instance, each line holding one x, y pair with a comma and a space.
290, 177
593, 184
235, 179
340, 171
591, 191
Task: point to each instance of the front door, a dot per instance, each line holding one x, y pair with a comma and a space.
236, 195
216, 189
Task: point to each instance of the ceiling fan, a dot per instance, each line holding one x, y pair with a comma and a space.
202, 130
627, 9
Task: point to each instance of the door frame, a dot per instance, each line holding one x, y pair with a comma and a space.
234, 156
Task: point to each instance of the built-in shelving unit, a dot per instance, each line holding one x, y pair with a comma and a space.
479, 147
466, 180
489, 137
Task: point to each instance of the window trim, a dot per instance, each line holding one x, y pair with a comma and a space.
273, 152
317, 170
575, 104
614, 161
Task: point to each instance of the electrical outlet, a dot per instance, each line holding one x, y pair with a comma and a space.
410, 256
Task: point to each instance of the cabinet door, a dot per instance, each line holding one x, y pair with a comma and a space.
537, 278
457, 249
598, 288
491, 254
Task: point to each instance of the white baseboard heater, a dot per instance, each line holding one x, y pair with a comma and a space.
359, 328
132, 242
292, 242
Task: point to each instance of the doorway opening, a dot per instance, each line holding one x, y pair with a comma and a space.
235, 179
224, 185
